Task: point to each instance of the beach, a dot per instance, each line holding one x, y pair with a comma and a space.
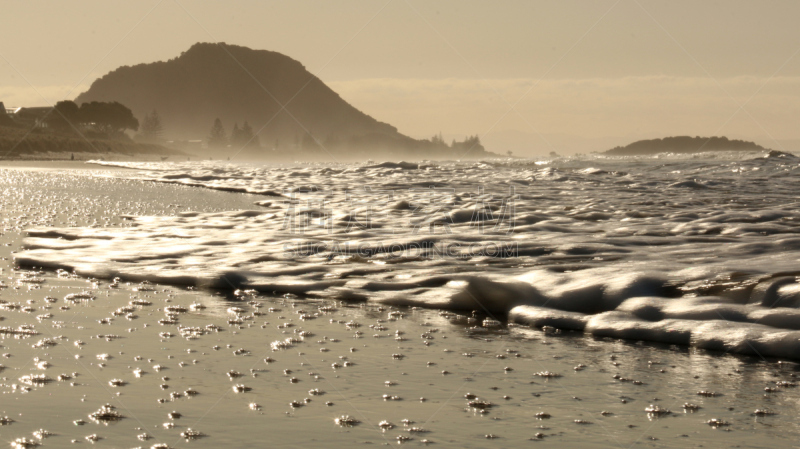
141, 363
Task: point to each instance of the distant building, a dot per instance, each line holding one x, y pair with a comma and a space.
34, 117
8, 110
186, 144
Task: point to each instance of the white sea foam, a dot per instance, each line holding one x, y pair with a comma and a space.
700, 250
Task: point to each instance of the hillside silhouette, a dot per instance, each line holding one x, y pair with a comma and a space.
290, 110
685, 145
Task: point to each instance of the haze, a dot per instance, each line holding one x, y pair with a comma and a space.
527, 76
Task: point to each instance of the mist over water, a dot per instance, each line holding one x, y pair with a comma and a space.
696, 250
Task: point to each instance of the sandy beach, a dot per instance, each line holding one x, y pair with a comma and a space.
126, 364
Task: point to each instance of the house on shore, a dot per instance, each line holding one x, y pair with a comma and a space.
8, 110
5, 115
28, 117
32, 117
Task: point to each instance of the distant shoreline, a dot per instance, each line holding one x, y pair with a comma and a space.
54, 164
23, 144
19, 144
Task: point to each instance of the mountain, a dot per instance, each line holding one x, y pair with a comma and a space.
683, 144
288, 108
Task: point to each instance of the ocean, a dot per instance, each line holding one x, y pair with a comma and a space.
585, 301
697, 250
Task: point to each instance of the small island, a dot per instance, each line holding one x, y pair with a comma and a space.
683, 145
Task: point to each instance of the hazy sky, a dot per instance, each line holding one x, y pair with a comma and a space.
529, 75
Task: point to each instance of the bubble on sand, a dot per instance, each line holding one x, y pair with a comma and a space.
656, 410
105, 414
547, 374
41, 434
479, 404
708, 394
35, 379
24, 443
78, 297
45, 343
190, 434
715, 422
346, 421
239, 388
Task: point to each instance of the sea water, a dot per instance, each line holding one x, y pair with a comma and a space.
693, 250
233, 326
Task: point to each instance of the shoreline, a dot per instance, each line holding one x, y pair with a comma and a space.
595, 393
639, 295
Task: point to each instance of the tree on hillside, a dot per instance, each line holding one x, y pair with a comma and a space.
471, 143
236, 136
252, 140
152, 129
309, 142
243, 138
111, 118
65, 116
438, 141
217, 138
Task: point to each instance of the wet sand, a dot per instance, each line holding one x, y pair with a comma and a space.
253, 370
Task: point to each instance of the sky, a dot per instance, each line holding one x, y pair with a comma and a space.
526, 76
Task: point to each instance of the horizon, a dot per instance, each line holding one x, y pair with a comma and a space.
608, 74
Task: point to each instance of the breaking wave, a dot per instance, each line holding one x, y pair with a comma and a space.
700, 250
